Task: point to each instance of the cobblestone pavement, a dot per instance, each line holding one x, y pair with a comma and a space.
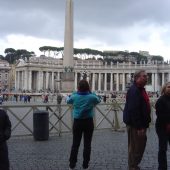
109, 152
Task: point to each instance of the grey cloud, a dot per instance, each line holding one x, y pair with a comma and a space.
122, 13
102, 19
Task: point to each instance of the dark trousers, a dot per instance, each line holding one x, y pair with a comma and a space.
164, 138
4, 161
81, 127
136, 148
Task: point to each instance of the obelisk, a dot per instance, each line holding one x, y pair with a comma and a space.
68, 63
68, 36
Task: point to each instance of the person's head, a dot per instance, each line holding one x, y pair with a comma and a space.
83, 86
166, 89
140, 78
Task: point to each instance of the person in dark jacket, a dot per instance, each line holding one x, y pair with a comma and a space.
136, 116
83, 102
163, 125
5, 133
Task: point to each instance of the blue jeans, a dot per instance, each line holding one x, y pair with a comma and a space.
81, 127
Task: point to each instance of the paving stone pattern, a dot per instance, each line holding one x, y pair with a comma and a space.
109, 152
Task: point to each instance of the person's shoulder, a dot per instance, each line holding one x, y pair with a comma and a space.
162, 98
92, 94
133, 89
74, 92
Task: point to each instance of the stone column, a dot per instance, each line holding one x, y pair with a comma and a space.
52, 81
58, 81
18, 80
117, 82
111, 81
47, 80
29, 80
15, 80
123, 82
156, 81
26, 80
99, 82
93, 81
163, 78
40, 80
88, 76
22, 80
75, 86
153, 82
105, 82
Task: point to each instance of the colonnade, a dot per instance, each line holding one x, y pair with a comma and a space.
37, 80
98, 80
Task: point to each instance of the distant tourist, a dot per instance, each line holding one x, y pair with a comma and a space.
83, 102
25, 98
104, 98
46, 98
16, 97
163, 125
29, 98
59, 98
113, 95
21, 97
1, 99
5, 133
136, 116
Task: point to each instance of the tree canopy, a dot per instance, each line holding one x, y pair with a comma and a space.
11, 55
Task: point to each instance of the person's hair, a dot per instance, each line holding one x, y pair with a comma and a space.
164, 88
83, 86
138, 73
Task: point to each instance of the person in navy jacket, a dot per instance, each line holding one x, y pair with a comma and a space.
83, 102
136, 116
163, 125
5, 133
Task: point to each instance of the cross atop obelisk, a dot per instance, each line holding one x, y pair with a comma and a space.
68, 36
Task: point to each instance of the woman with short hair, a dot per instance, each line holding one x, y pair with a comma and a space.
163, 125
83, 102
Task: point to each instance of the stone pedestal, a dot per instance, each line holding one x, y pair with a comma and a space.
67, 83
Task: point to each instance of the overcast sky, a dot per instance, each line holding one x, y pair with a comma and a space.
98, 24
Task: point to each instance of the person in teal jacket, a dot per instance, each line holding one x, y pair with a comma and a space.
83, 102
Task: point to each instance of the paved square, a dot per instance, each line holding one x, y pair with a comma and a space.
109, 152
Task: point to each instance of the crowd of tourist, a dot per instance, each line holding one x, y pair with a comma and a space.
136, 116
52, 97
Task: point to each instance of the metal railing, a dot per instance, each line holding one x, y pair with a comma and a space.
107, 115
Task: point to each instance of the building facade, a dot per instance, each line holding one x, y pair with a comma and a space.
45, 74
4, 75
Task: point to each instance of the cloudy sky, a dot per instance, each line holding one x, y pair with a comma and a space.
98, 24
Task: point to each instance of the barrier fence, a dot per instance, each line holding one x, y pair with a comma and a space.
107, 116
